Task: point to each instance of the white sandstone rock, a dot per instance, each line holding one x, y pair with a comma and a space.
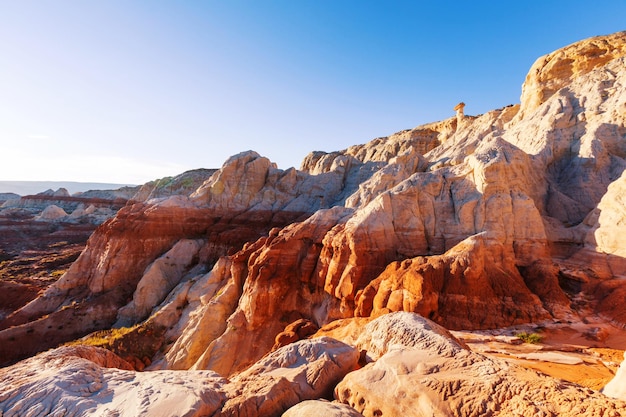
316, 408
422, 373
158, 280
52, 212
616, 388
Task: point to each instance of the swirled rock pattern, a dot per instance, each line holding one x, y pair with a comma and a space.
475, 222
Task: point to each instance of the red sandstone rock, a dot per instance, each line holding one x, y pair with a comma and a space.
476, 221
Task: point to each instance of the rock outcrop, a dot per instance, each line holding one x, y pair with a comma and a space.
158, 280
314, 408
431, 374
105, 276
617, 387
52, 212
183, 184
4, 197
415, 368
48, 385
437, 287
305, 370
476, 222
554, 71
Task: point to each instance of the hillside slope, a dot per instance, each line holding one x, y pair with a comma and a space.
475, 222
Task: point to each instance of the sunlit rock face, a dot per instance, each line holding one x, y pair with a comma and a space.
474, 222
555, 71
106, 275
616, 388
400, 364
85, 380
429, 373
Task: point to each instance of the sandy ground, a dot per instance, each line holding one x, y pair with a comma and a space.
586, 352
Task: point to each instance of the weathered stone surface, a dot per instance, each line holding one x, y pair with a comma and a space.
430, 374
315, 408
307, 369
558, 69
607, 235
617, 387
85, 381
268, 189
407, 330
4, 197
299, 329
475, 221
456, 221
208, 302
37, 203
52, 212
183, 184
473, 285
274, 281
107, 272
158, 280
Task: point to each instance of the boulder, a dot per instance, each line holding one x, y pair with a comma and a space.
308, 369
93, 381
85, 380
617, 387
315, 408
52, 212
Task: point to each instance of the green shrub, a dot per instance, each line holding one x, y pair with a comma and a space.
58, 273
529, 337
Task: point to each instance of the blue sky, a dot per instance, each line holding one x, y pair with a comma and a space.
129, 91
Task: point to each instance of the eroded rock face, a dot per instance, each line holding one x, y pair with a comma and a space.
314, 408
273, 282
89, 381
431, 374
473, 285
475, 222
557, 70
183, 184
158, 280
304, 370
52, 212
86, 380
105, 276
617, 387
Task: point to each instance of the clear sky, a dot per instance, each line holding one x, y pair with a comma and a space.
128, 91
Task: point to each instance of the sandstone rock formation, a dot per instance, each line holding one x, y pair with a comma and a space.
4, 197
47, 384
314, 408
52, 212
554, 71
513, 216
299, 329
183, 184
431, 374
158, 280
415, 368
617, 387
307, 369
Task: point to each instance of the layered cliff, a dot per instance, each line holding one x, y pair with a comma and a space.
475, 222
